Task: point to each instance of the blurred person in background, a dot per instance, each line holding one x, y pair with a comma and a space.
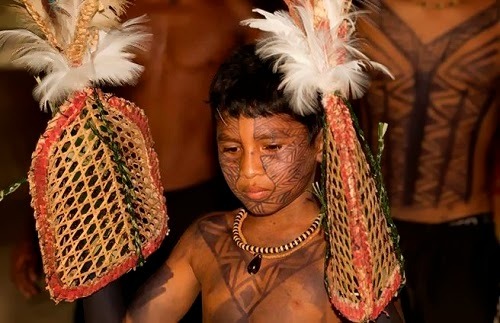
442, 111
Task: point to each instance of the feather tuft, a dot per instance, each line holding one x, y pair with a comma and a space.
67, 13
111, 63
33, 15
109, 14
315, 51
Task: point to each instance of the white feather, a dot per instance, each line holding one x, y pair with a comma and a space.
113, 58
314, 60
66, 13
278, 22
111, 63
109, 14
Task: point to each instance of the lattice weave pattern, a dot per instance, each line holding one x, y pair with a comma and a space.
341, 267
363, 270
86, 235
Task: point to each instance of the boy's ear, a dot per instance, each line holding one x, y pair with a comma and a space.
319, 146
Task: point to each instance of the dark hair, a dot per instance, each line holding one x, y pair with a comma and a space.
246, 85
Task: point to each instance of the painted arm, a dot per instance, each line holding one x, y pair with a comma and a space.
169, 293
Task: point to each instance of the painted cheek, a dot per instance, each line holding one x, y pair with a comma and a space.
229, 163
290, 170
274, 166
230, 169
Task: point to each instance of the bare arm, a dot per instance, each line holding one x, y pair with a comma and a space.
168, 294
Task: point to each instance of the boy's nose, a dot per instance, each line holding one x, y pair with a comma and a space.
251, 165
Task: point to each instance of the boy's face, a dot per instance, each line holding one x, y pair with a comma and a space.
267, 161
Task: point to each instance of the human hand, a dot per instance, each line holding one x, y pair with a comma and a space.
25, 267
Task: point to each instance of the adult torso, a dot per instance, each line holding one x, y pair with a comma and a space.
440, 107
191, 39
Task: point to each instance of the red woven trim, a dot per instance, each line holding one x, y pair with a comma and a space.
362, 311
60, 292
38, 186
344, 135
388, 293
340, 122
345, 138
38, 176
355, 312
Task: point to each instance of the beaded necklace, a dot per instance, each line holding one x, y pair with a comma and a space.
270, 252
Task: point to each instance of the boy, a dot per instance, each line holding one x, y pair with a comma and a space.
265, 262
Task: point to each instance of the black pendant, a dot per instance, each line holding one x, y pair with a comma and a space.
254, 265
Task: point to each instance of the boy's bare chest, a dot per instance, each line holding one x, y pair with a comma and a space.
289, 289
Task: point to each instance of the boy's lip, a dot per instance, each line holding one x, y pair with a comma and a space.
257, 193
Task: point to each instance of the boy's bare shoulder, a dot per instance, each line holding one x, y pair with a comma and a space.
209, 227
205, 236
222, 220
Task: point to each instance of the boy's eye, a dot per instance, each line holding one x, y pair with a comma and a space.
230, 150
273, 147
